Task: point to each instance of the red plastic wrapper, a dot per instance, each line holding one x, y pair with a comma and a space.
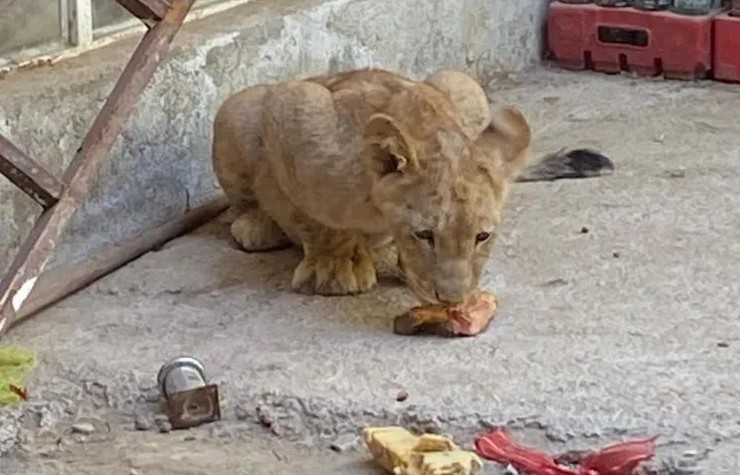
621, 458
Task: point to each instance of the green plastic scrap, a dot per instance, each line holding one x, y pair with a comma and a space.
15, 363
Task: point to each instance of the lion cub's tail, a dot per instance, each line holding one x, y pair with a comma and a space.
579, 163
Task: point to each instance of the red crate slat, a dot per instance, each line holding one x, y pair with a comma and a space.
615, 39
726, 48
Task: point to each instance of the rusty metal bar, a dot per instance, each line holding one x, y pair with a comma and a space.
28, 175
148, 11
34, 253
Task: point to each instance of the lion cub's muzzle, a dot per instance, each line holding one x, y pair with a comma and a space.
451, 285
453, 282
449, 295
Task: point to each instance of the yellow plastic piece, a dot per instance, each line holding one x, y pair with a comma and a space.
400, 452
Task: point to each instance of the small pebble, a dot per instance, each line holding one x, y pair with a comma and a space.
344, 443
510, 470
265, 416
152, 395
163, 424
555, 283
578, 116
402, 395
241, 413
141, 422
690, 454
572, 457
84, 428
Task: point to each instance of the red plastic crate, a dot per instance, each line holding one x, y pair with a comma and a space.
726, 50
615, 39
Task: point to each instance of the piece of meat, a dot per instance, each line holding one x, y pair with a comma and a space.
467, 319
621, 458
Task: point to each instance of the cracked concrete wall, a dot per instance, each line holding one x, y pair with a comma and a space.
160, 166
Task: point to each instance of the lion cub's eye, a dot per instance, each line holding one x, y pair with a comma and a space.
425, 235
482, 237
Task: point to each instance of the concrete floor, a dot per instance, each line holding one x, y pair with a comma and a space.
630, 328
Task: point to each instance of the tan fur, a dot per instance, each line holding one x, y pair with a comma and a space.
359, 167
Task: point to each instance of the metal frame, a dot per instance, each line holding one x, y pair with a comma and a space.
61, 197
79, 17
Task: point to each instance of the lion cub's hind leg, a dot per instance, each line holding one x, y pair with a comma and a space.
334, 263
255, 231
237, 155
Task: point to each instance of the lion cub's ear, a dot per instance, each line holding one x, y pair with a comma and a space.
506, 140
390, 147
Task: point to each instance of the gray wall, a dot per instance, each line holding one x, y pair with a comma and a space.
161, 164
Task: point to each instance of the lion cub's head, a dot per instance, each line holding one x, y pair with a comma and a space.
440, 190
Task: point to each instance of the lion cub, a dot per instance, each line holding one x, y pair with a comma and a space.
369, 171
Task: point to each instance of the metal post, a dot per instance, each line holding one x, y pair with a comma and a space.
60, 198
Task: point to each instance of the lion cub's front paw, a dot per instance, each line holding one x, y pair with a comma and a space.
335, 275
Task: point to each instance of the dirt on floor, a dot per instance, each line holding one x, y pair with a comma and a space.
618, 318
129, 452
